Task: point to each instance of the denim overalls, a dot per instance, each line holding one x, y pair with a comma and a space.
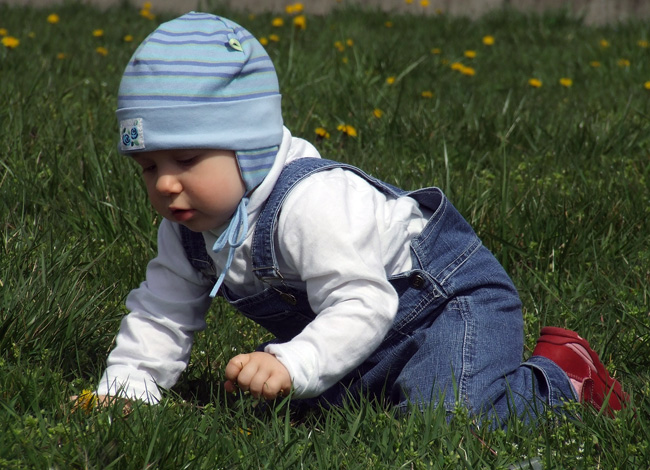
458, 333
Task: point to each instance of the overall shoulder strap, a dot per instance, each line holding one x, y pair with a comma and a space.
197, 255
263, 255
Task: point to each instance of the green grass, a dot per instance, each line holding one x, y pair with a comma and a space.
554, 179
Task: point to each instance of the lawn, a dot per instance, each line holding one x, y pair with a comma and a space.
536, 126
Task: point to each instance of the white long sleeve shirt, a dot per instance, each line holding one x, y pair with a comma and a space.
338, 238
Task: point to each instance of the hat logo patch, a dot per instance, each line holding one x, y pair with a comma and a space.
132, 135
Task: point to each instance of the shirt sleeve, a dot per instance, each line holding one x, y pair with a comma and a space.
155, 338
329, 235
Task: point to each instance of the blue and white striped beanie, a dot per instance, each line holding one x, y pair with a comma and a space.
201, 81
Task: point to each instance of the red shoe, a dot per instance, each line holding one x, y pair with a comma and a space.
574, 356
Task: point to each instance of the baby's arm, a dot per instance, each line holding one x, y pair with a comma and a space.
258, 372
329, 236
155, 338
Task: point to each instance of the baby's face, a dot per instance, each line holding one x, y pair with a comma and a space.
197, 188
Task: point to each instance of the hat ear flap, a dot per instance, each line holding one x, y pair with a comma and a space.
254, 165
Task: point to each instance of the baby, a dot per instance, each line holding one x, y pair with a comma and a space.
369, 290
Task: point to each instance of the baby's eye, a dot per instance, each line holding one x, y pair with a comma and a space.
148, 168
188, 161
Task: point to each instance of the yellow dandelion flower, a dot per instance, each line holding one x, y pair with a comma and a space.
300, 22
643, 43
470, 54
294, 9
87, 400
98, 33
604, 43
128, 38
322, 133
388, 24
436, 50
535, 83
274, 37
345, 60
349, 42
457, 66
594, 64
3, 32
646, 85
623, 63
488, 40
390, 80
53, 18
469, 71
10, 42
61, 56
339, 46
264, 41
347, 130
427, 94
378, 113
102, 51
146, 13
424, 3
147, 5
31, 35
566, 82
277, 22
408, 2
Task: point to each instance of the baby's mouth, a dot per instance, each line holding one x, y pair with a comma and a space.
182, 215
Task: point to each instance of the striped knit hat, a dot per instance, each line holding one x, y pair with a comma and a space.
201, 81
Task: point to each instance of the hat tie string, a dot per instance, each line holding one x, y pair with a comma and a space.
234, 236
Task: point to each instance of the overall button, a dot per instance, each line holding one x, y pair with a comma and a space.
417, 281
288, 298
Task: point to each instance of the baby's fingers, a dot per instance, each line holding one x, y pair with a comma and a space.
87, 401
235, 366
230, 386
259, 385
273, 388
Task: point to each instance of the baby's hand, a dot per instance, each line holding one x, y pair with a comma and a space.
87, 400
260, 373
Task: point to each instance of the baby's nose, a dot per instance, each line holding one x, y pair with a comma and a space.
168, 184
